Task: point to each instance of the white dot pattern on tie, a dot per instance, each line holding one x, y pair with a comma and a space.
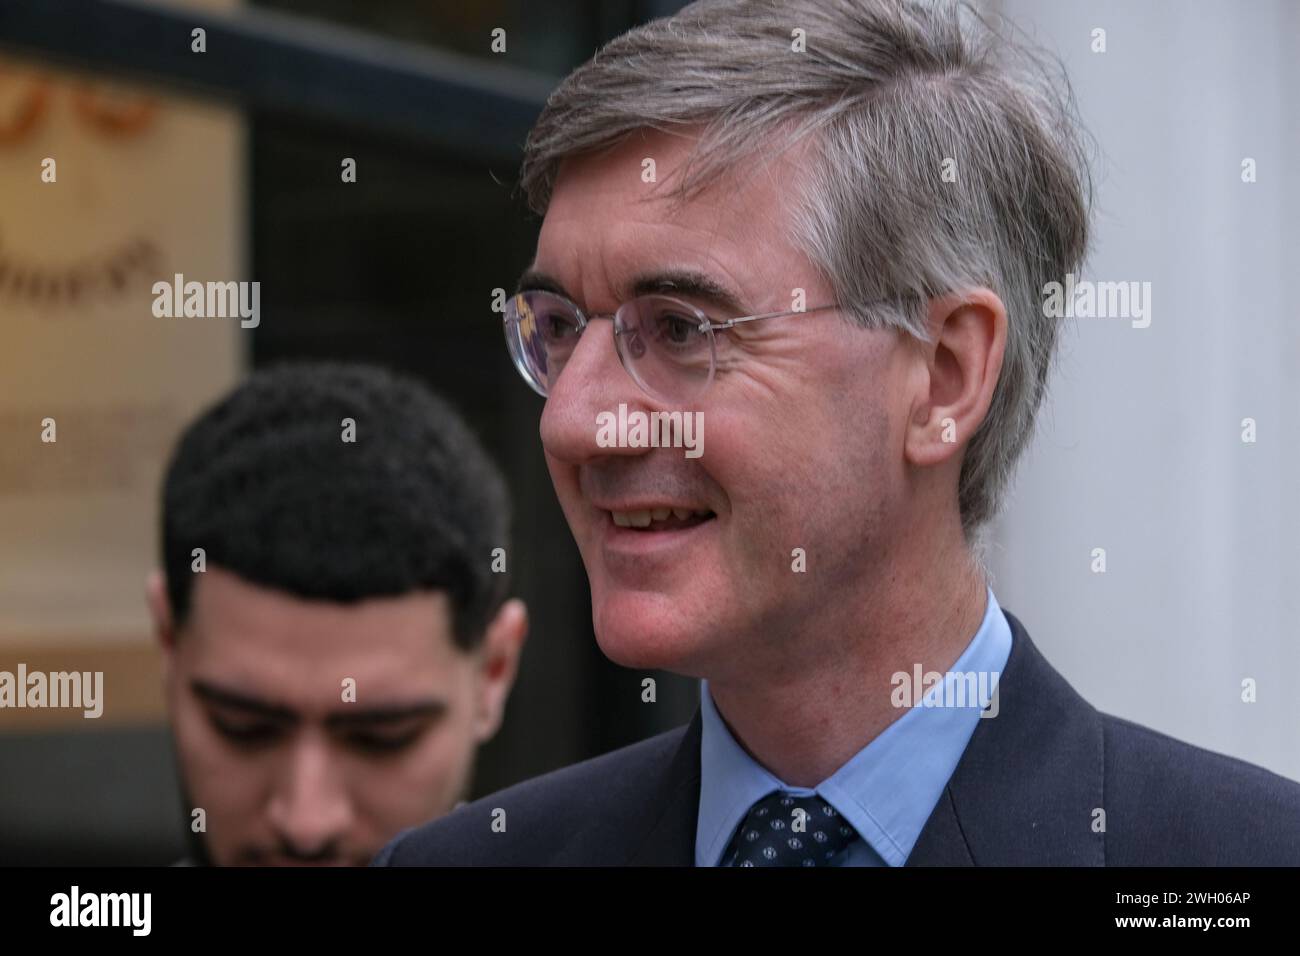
785, 830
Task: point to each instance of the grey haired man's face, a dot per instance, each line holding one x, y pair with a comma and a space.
802, 468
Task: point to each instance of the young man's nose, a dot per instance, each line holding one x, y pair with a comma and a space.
310, 808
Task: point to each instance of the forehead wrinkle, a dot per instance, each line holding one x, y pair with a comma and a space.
753, 231
627, 225
627, 255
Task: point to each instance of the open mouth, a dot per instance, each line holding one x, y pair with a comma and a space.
661, 519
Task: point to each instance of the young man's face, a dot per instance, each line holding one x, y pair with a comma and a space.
312, 732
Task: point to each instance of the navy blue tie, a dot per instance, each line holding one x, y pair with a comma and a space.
785, 830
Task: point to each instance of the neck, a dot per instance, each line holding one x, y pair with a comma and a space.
803, 716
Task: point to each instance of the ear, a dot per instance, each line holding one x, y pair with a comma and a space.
962, 366
160, 609
499, 663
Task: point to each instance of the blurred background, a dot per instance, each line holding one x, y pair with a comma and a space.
229, 166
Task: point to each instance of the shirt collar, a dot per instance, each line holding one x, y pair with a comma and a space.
888, 789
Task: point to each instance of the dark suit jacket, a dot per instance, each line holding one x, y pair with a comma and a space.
1023, 793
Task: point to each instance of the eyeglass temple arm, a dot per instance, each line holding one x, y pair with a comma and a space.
719, 326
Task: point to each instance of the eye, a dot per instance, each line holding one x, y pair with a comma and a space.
244, 732
557, 325
677, 329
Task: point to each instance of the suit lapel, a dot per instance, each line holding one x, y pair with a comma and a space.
670, 841
1026, 787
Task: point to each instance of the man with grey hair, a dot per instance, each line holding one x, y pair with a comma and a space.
822, 226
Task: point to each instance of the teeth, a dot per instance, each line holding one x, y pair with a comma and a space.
642, 519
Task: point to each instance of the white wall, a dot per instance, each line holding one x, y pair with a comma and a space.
1139, 447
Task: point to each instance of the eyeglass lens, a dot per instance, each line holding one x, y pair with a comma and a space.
659, 342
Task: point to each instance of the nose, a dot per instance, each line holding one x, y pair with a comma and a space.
593, 381
310, 809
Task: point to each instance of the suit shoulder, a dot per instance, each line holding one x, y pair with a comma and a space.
1169, 802
577, 812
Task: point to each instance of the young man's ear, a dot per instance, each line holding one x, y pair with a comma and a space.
160, 609
502, 645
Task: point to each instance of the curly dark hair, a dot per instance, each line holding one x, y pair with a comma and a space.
264, 482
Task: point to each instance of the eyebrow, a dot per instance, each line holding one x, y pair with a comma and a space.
687, 283
389, 714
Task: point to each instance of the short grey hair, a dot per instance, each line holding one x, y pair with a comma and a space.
887, 92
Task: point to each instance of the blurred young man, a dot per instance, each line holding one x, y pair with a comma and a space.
336, 642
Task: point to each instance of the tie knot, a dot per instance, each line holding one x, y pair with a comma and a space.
785, 830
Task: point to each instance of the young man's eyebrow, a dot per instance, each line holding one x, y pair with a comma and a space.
391, 714
687, 283
226, 697
387, 715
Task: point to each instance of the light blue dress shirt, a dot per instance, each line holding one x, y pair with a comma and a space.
888, 788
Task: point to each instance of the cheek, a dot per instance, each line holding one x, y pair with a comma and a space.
807, 474
772, 462
229, 786
420, 784
207, 760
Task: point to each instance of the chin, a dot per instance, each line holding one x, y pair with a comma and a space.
648, 631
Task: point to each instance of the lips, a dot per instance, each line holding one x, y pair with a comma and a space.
659, 518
